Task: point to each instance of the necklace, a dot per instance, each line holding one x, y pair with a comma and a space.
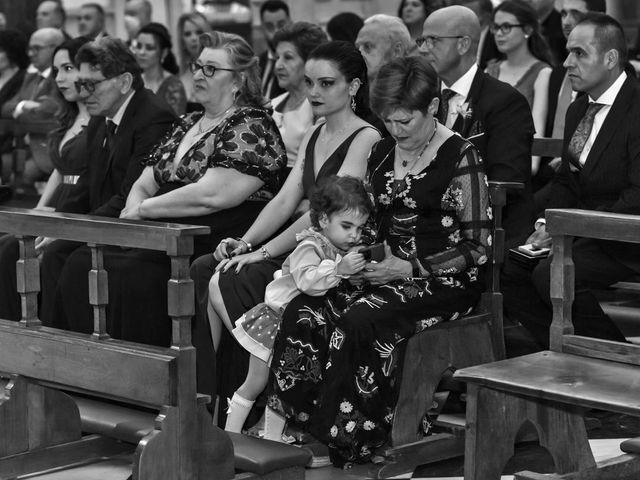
405, 162
214, 121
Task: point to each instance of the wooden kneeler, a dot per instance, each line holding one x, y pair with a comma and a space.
552, 389
41, 426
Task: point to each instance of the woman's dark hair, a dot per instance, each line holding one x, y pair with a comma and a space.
349, 62
163, 39
527, 16
14, 44
113, 58
409, 83
344, 26
430, 6
334, 194
304, 36
244, 63
69, 110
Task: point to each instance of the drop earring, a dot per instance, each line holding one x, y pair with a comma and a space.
353, 103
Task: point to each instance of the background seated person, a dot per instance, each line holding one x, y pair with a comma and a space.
152, 48
190, 26
335, 357
217, 167
68, 151
335, 74
34, 104
600, 170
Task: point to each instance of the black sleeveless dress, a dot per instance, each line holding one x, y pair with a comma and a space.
244, 290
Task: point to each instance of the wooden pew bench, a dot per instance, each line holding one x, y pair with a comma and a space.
436, 351
552, 389
42, 427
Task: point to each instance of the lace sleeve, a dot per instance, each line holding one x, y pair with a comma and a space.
467, 196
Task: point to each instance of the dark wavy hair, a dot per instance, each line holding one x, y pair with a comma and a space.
243, 61
344, 26
14, 44
349, 62
69, 110
304, 36
163, 39
409, 83
527, 16
334, 194
113, 58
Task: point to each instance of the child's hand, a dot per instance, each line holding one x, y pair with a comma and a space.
351, 263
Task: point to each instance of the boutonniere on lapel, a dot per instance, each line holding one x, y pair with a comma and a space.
465, 110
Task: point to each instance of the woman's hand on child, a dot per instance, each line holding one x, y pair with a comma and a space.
351, 263
391, 268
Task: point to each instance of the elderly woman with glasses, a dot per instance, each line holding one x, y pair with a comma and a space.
526, 59
217, 167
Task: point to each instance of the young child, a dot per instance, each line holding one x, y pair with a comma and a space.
323, 257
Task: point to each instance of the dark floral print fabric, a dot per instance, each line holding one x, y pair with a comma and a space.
247, 141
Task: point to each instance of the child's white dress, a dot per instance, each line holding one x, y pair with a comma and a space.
311, 268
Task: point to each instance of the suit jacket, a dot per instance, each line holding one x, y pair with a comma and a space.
103, 188
610, 178
555, 83
275, 89
27, 91
500, 125
488, 50
551, 30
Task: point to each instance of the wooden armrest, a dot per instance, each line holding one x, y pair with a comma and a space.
95, 229
593, 224
506, 185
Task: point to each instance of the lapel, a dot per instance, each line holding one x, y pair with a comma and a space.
612, 123
463, 124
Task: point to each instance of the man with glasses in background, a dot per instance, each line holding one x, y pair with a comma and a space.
493, 115
33, 106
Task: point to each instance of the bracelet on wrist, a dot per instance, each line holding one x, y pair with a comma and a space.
248, 244
265, 253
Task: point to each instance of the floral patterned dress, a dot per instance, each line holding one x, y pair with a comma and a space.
336, 358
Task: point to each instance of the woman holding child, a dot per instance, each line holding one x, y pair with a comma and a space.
335, 356
335, 75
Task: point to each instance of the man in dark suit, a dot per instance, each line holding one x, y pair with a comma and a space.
274, 14
34, 106
600, 170
490, 113
127, 121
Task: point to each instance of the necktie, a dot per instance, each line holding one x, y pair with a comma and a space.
581, 135
443, 113
267, 77
110, 135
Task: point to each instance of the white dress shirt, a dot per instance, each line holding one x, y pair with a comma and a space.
461, 87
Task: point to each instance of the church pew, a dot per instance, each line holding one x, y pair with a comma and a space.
42, 426
552, 389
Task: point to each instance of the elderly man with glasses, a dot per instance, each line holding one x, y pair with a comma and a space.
127, 121
493, 115
33, 106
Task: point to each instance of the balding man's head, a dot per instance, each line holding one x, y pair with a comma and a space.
381, 39
41, 46
450, 40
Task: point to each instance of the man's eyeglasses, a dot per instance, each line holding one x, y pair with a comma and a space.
503, 28
431, 41
207, 70
38, 48
88, 85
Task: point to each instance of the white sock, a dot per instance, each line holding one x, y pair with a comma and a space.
239, 408
273, 425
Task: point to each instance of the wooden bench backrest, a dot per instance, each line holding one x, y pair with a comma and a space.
95, 363
563, 225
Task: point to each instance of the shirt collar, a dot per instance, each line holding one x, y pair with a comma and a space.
117, 118
610, 94
463, 84
32, 69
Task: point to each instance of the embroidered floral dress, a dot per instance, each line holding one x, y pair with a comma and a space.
311, 268
336, 357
